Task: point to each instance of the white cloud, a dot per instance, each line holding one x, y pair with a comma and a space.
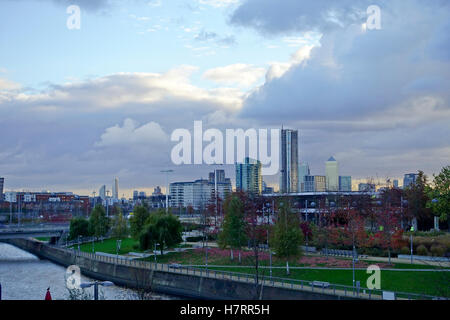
235, 74
131, 134
6, 85
218, 3
278, 69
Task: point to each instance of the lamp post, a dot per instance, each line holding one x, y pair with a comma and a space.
436, 218
167, 187
107, 203
96, 284
10, 211
411, 240
268, 247
118, 243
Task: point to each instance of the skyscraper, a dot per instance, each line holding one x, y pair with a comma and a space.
248, 176
2, 182
102, 192
345, 183
289, 161
409, 179
395, 183
303, 170
115, 189
332, 174
315, 183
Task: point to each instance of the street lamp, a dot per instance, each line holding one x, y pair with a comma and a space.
268, 247
96, 284
411, 240
436, 218
118, 243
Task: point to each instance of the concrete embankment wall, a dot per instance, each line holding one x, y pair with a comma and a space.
186, 285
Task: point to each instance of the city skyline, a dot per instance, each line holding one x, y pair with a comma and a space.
101, 102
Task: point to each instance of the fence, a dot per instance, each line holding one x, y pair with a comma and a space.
293, 284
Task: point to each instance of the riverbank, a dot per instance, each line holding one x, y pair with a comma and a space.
184, 282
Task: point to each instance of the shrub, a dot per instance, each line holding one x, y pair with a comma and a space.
422, 250
405, 250
78, 227
437, 251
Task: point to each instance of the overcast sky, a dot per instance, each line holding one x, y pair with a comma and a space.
79, 107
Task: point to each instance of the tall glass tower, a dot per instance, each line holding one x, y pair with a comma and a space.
289, 161
248, 176
332, 174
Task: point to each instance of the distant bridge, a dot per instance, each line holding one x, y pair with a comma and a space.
32, 231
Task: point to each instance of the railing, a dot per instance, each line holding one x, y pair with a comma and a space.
267, 281
83, 240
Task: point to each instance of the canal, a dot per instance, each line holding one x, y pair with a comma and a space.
23, 276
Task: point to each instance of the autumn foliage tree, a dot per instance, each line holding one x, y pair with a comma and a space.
390, 233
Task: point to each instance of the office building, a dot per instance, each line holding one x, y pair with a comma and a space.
395, 183
289, 161
197, 194
303, 170
409, 179
157, 191
315, 183
220, 176
320, 183
266, 189
332, 174
102, 192
115, 189
2, 184
345, 183
248, 176
366, 187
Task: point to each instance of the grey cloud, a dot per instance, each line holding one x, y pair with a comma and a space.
355, 74
274, 17
204, 35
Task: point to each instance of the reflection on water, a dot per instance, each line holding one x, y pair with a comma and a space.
23, 276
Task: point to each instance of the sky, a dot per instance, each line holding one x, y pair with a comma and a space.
79, 107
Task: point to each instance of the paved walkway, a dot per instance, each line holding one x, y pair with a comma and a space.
407, 261
312, 268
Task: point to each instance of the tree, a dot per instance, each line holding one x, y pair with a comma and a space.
98, 221
441, 193
389, 226
78, 227
120, 226
417, 200
287, 236
138, 220
233, 230
163, 229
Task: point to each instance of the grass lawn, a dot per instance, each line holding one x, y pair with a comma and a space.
109, 246
43, 239
430, 283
